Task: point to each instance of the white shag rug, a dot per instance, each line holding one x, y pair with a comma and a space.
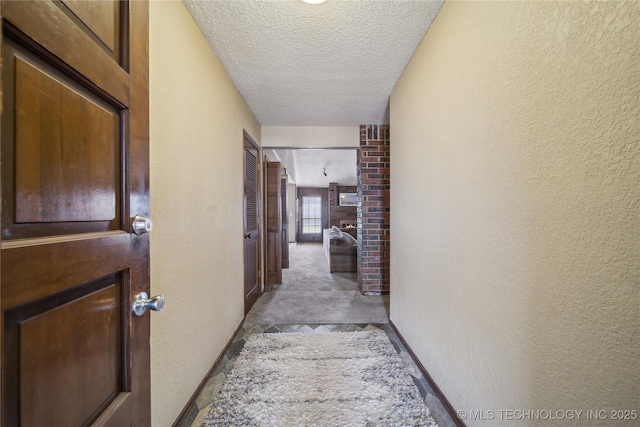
332, 379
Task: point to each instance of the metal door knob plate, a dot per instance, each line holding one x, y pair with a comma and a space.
142, 302
141, 224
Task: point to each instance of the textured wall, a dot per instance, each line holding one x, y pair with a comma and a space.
292, 211
515, 258
197, 118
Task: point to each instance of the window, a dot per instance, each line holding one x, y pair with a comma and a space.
311, 214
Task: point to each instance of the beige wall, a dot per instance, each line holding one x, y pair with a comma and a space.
197, 119
515, 197
292, 209
310, 136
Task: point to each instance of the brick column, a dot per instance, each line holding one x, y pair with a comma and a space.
374, 209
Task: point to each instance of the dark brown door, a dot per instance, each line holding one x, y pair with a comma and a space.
273, 228
251, 224
74, 172
285, 222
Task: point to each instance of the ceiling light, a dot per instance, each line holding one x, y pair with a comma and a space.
314, 1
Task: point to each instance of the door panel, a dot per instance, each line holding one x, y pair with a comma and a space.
74, 173
251, 223
50, 29
273, 227
55, 373
51, 181
56, 177
50, 266
101, 19
284, 194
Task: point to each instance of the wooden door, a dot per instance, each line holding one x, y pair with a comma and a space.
74, 172
273, 226
251, 223
285, 221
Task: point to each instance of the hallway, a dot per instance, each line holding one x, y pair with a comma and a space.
311, 294
312, 300
514, 230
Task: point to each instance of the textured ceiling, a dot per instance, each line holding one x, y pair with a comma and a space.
307, 167
332, 64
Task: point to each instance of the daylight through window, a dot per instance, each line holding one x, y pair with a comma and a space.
311, 214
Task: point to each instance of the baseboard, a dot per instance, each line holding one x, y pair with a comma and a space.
185, 410
434, 386
443, 399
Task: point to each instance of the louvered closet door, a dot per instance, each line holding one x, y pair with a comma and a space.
251, 224
285, 223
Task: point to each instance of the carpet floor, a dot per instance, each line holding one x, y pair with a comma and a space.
310, 293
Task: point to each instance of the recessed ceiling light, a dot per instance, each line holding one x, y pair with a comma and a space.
314, 1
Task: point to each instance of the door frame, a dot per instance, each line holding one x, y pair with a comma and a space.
308, 191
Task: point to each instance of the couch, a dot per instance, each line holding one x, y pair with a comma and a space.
341, 250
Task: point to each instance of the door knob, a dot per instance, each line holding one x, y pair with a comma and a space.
143, 302
247, 236
141, 224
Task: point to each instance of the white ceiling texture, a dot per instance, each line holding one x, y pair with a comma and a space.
317, 167
328, 64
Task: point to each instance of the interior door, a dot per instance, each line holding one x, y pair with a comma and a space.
285, 220
251, 223
273, 227
74, 173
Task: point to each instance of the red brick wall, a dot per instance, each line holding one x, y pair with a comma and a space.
373, 211
338, 213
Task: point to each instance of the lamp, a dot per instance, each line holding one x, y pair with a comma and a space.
314, 1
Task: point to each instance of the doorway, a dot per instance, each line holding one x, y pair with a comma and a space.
316, 170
